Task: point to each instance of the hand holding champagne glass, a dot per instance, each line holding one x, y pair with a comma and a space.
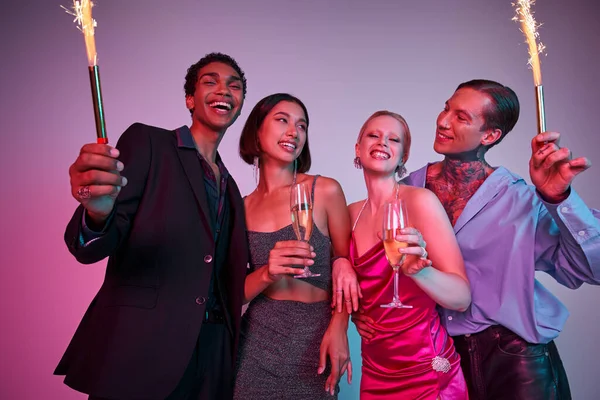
395, 218
302, 217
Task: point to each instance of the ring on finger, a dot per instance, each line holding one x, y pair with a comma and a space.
83, 193
425, 254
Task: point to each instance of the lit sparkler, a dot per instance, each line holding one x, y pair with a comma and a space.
524, 15
82, 11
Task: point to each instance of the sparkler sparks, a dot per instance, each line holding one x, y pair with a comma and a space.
524, 15
82, 11
529, 26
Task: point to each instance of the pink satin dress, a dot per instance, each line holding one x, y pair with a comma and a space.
411, 356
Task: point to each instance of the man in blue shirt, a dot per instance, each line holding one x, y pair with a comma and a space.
507, 230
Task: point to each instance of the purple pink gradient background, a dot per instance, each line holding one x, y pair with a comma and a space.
344, 58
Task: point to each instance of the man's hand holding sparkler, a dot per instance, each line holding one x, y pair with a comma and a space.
96, 181
551, 168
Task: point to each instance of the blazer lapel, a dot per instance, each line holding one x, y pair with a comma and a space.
195, 175
238, 249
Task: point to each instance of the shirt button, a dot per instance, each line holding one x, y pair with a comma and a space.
200, 300
207, 258
450, 318
581, 233
565, 209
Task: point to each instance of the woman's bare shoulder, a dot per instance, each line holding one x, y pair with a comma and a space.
354, 208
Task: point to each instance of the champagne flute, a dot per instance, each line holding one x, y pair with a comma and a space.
395, 218
302, 218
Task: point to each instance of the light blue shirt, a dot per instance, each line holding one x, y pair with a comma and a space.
507, 232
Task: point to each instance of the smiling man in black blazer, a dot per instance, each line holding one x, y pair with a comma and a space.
164, 210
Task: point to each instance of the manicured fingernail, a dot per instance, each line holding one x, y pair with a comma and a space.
313, 254
114, 152
123, 181
120, 166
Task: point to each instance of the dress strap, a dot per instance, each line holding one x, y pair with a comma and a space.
359, 213
312, 192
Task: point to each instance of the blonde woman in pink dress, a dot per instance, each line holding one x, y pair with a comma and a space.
406, 352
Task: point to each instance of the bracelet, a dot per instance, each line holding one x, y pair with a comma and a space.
334, 259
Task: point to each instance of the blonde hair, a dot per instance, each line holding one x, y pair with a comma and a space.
406, 137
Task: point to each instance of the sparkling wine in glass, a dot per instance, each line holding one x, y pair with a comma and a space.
302, 218
395, 218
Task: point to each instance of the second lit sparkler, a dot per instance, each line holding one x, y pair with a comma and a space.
529, 26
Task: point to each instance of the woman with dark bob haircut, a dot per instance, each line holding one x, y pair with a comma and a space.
289, 321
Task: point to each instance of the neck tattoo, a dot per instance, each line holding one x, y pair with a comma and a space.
455, 182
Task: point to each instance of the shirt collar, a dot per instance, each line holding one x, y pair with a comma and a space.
186, 140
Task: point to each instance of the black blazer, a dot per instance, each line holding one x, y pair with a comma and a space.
139, 332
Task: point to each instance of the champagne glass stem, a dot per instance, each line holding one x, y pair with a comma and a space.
396, 276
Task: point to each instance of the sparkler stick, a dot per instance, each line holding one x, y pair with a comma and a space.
82, 11
524, 15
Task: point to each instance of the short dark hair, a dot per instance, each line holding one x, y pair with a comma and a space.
249, 146
191, 78
503, 114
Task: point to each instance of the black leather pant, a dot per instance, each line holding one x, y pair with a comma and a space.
499, 364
